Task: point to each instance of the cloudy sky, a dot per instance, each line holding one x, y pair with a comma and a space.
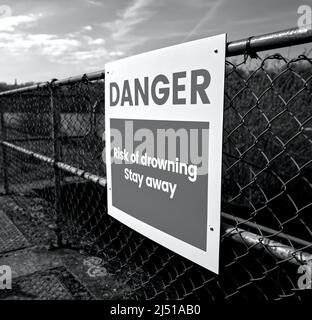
41, 39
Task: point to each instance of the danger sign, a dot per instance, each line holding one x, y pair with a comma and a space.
164, 122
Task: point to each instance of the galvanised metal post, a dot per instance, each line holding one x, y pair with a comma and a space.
56, 122
4, 150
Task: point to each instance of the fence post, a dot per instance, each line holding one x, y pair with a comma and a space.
4, 152
55, 121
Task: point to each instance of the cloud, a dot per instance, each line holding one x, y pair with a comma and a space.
263, 19
91, 41
137, 12
116, 54
87, 28
67, 49
122, 29
10, 23
95, 2
214, 6
46, 44
95, 57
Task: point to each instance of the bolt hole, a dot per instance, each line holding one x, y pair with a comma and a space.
216, 51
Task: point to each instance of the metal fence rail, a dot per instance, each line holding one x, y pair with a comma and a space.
54, 130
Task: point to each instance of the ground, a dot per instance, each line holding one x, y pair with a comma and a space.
42, 271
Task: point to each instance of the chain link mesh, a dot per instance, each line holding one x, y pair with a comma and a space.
266, 181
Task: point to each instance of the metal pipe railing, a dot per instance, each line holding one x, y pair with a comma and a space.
270, 41
277, 249
269, 231
95, 76
61, 165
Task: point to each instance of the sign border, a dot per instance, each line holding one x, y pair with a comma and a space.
209, 258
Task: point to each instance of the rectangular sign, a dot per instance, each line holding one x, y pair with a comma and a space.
163, 133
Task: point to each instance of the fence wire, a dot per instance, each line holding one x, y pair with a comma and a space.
266, 182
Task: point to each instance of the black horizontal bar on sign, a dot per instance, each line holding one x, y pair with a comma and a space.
274, 40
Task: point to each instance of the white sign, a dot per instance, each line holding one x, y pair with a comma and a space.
164, 124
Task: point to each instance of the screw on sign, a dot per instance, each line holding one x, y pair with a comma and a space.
5, 278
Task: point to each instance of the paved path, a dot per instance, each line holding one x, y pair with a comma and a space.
41, 273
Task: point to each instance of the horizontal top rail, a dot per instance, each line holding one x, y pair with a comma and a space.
98, 75
275, 40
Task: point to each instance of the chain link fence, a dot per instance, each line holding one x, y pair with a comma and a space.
52, 144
